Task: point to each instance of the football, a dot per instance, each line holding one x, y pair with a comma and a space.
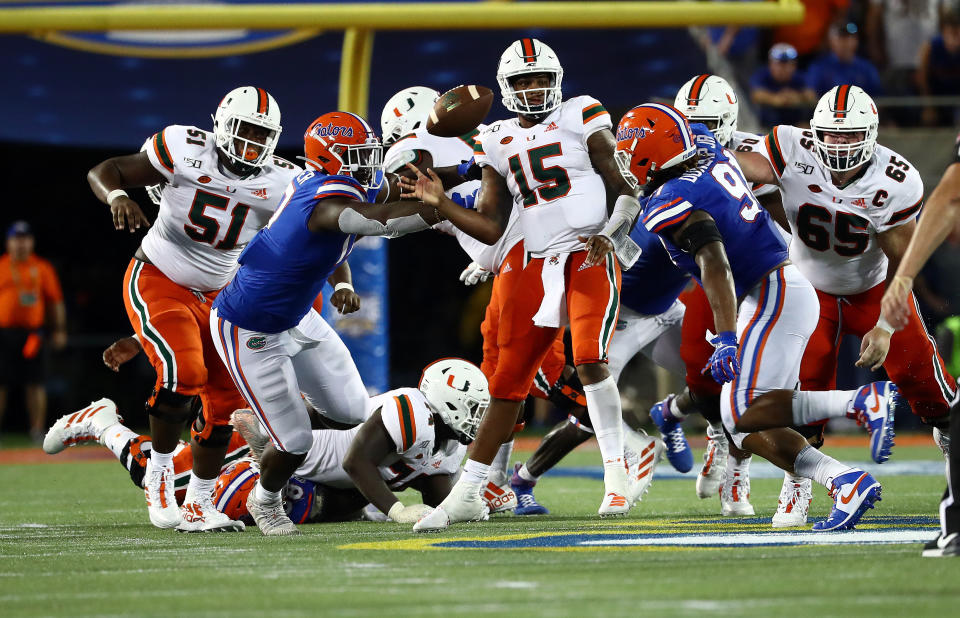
459, 111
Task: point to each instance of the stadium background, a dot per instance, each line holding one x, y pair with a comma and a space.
72, 100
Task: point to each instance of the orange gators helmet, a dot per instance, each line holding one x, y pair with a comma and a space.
652, 137
343, 143
233, 486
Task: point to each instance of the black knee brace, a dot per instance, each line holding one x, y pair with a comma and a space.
173, 408
567, 393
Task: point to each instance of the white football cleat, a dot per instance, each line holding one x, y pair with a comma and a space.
642, 454
735, 491
81, 427
248, 425
794, 504
201, 515
270, 517
498, 498
460, 505
160, 495
615, 502
942, 438
714, 463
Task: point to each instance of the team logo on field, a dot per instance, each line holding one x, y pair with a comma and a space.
507, 140
256, 343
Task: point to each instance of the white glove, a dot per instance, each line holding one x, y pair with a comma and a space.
408, 514
474, 274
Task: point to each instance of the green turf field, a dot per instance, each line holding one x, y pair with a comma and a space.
75, 541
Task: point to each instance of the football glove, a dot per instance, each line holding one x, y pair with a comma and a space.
723, 365
408, 514
469, 170
474, 274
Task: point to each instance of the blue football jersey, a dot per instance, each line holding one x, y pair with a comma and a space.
653, 282
717, 186
284, 267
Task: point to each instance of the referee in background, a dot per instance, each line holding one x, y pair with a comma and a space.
30, 299
940, 216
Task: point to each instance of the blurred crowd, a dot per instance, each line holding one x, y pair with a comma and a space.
906, 53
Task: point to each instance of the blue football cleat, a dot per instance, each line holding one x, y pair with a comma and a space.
853, 493
526, 503
679, 453
873, 406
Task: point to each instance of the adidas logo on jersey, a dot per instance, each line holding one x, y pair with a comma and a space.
261, 193
506, 268
551, 127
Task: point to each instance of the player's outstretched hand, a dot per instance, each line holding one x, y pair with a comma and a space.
597, 248
723, 365
895, 306
127, 213
474, 274
345, 300
427, 188
874, 348
121, 351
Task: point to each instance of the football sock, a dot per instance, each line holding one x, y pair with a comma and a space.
116, 438
474, 474
524, 473
263, 496
501, 462
603, 402
198, 487
161, 459
813, 464
811, 406
675, 411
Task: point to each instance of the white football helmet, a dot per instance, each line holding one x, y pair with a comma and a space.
710, 99
845, 109
456, 390
249, 105
154, 192
406, 111
529, 56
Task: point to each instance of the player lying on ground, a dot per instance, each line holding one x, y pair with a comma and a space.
713, 228
413, 438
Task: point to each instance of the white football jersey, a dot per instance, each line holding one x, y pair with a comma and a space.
751, 142
207, 215
447, 151
547, 167
409, 422
834, 229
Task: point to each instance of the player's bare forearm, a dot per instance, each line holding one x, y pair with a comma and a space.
371, 445
939, 217
600, 146
894, 243
488, 222
717, 280
756, 168
122, 173
773, 203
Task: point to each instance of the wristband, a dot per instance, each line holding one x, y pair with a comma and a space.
343, 285
885, 326
115, 194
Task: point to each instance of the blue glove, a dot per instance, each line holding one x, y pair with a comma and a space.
468, 201
469, 170
723, 365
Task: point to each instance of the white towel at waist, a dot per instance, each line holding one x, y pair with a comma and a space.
552, 312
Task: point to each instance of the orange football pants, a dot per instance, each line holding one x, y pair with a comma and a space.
173, 325
592, 298
503, 284
695, 350
913, 362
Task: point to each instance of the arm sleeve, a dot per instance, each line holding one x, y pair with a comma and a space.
595, 117
158, 151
